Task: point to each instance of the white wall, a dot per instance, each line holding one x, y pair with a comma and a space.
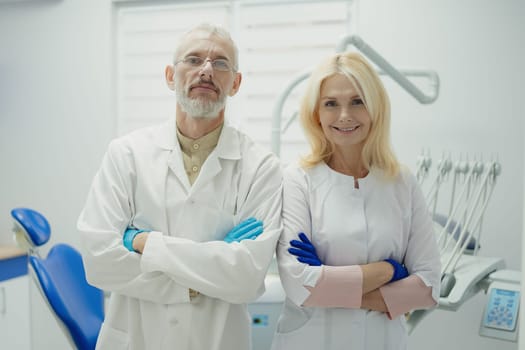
56, 118
56, 112
56, 102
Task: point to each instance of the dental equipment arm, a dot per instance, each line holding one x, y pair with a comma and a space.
388, 69
398, 76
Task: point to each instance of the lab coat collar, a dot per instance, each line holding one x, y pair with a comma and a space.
166, 135
322, 173
228, 146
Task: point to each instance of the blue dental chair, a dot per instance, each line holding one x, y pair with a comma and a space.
77, 306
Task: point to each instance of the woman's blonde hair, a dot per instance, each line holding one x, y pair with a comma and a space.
377, 150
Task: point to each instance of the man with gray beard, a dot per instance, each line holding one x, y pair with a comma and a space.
182, 219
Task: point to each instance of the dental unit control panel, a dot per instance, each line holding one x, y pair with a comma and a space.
501, 314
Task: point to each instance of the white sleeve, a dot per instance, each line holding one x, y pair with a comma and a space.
295, 276
106, 215
422, 254
232, 272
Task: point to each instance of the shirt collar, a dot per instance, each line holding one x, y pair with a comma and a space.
228, 145
204, 143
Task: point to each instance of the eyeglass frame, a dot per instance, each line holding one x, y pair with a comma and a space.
206, 60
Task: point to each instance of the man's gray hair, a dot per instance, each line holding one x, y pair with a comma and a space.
212, 29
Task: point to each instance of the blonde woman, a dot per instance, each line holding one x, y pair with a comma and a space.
358, 250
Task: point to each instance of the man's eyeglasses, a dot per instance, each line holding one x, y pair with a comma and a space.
220, 64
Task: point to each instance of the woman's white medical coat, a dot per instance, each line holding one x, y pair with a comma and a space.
382, 219
142, 182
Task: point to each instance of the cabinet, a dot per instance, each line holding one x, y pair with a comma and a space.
15, 321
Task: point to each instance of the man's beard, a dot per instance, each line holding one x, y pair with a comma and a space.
199, 107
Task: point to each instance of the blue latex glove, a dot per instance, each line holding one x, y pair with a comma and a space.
247, 229
400, 271
129, 235
304, 250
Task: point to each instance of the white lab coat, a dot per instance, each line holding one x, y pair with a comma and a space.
350, 226
142, 182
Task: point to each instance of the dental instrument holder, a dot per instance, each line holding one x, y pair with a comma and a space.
385, 67
464, 275
469, 278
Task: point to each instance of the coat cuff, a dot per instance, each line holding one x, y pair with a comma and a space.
338, 286
406, 295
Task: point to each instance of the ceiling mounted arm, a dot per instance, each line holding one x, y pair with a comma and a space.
398, 76
385, 68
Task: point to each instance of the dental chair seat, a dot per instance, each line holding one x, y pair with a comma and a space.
60, 277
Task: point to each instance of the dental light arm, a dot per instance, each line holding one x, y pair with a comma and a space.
398, 76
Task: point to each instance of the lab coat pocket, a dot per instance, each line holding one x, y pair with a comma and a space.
111, 338
299, 328
396, 333
388, 334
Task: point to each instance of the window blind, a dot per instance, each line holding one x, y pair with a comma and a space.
276, 41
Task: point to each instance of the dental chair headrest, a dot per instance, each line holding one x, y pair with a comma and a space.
32, 225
